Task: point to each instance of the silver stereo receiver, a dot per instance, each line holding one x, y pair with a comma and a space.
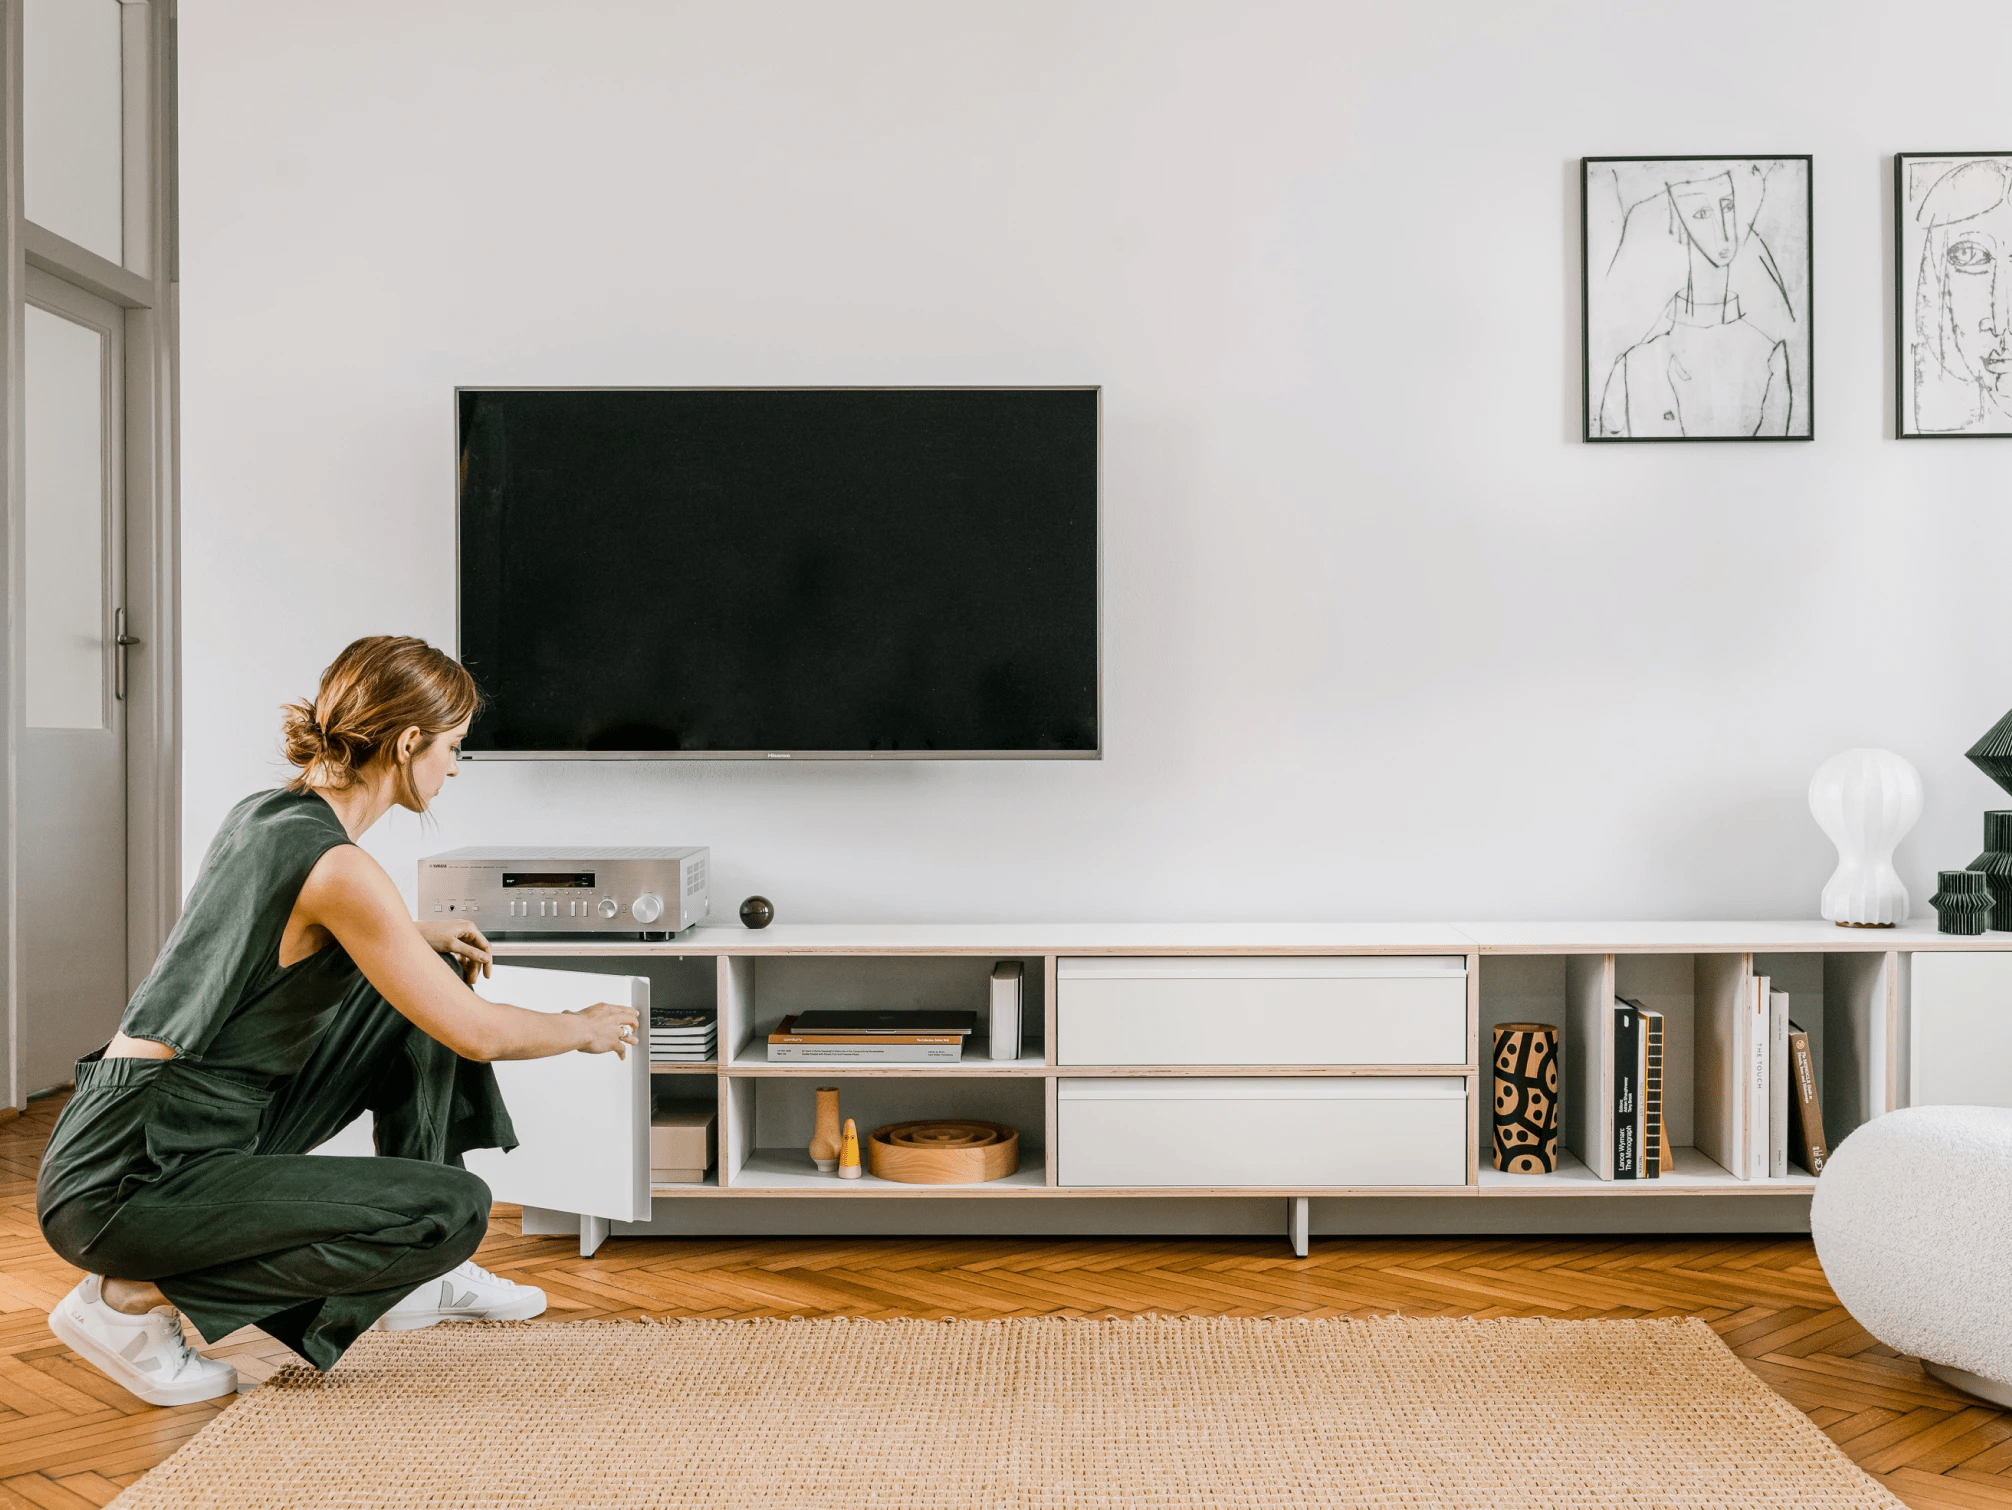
621, 893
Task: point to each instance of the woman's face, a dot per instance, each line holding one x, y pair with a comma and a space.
433, 763
1979, 290
1709, 216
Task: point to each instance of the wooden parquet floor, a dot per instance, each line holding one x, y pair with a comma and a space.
71, 1439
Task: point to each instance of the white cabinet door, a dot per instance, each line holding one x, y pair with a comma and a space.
1960, 1030
583, 1120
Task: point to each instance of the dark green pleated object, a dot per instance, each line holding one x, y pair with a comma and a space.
194, 1172
1995, 864
1993, 753
1962, 901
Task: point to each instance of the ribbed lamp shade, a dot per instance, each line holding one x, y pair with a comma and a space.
1962, 901
1995, 864
1866, 801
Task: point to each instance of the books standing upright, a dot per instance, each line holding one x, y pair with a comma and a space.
1655, 1133
1777, 1084
1806, 1139
1639, 1137
1627, 1091
1754, 1055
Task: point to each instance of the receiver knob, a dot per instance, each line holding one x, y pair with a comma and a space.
647, 908
609, 907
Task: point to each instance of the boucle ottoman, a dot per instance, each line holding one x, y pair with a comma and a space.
1913, 1224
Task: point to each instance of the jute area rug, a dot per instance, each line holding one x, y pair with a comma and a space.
1143, 1414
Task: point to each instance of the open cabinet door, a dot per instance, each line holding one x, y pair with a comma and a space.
583, 1120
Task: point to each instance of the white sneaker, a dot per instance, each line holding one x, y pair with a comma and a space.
144, 1354
469, 1293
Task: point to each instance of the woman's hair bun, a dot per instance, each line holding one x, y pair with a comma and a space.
379, 687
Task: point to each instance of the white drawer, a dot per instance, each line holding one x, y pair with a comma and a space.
1259, 1132
1386, 1010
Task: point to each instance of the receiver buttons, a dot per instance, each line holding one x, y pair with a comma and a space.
647, 908
609, 907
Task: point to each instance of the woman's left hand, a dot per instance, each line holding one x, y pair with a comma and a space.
462, 940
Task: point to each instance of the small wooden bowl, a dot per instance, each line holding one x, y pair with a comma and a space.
943, 1153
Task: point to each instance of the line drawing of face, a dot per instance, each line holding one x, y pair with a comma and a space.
1963, 300
1979, 296
1710, 218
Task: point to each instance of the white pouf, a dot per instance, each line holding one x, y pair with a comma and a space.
1913, 1224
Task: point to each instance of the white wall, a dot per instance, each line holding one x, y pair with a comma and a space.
1383, 639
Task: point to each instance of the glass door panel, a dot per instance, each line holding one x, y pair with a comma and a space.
66, 453
73, 122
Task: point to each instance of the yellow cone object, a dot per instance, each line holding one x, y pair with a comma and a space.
848, 1152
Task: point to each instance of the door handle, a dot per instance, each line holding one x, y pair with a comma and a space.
121, 642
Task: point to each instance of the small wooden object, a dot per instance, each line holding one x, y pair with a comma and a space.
944, 1153
848, 1153
825, 1141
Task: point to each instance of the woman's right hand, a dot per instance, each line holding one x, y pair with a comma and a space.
609, 1029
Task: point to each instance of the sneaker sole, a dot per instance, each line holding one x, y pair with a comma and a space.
128, 1378
412, 1321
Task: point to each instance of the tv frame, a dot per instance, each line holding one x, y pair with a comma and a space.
1096, 753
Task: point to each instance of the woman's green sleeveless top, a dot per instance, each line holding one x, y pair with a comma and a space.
218, 995
238, 1022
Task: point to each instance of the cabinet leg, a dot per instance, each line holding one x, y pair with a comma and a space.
593, 1233
1295, 1224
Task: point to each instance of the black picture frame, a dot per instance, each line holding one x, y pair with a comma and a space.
1766, 389
1935, 370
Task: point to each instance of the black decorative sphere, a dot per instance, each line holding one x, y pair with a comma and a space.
757, 912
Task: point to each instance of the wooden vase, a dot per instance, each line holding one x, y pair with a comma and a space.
1526, 1098
824, 1142
943, 1153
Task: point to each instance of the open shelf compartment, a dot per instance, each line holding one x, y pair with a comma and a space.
766, 1124
1839, 999
755, 995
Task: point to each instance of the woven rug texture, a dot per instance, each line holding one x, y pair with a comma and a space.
1146, 1414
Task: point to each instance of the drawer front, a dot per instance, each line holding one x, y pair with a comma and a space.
1241, 1011
1221, 1141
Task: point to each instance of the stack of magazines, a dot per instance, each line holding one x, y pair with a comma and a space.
682, 1035
869, 1036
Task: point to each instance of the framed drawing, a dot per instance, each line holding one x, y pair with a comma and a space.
1952, 301
1696, 288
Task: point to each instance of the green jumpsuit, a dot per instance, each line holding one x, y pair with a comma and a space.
194, 1173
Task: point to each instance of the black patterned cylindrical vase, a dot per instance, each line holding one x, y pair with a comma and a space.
1995, 864
1526, 1098
1962, 901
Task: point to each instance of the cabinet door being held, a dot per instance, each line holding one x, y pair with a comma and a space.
582, 1120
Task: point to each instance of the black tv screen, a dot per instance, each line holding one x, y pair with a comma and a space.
761, 572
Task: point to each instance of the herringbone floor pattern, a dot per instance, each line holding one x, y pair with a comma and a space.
69, 1439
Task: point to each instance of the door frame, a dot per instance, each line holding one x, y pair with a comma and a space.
144, 285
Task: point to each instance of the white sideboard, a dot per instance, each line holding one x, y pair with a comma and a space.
1223, 1019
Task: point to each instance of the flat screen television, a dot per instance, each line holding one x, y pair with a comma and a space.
780, 573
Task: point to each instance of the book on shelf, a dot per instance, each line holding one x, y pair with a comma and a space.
847, 1022
1627, 1091
789, 1030
1777, 1084
1641, 1141
1753, 1059
1655, 1137
1806, 1140
682, 1018
866, 1053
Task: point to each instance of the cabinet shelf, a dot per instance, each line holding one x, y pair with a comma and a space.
792, 1169
1694, 1174
754, 1060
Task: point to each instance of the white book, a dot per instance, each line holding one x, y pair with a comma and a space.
1777, 1084
1757, 1082
865, 1053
